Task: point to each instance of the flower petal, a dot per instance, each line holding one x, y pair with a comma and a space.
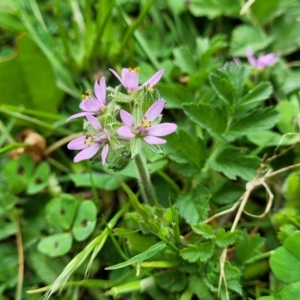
82, 104
155, 109
104, 153
126, 132
117, 75
162, 129
250, 57
81, 114
126, 118
100, 90
94, 122
266, 60
77, 144
87, 152
154, 79
131, 81
107, 134
154, 140
93, 106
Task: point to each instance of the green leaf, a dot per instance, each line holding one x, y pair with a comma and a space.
7, 229
233, 163
260, 92
171, 280
231, 272
101, 181
214, 8
288, 292
254, 121
184, 60
31, 90
193, 253
244, 36
291, 188
175, 95
223, 86
288, 112
18, 172
60, 211
193, 206
225, 238
209, 118
138, 259
183, 149
292, 244
199, 288
85, 220
56, 245
286, 25
204, 230
267, 138
39, 181
247, 246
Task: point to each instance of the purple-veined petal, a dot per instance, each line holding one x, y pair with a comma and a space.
131, 80
100, 90
87, 152
126, 132
154, 79
266, 60
81, 114
155, 109
94, 122
162, 129
104, 153
154, 140
126, 118
117, 75
93, 106
251, 59
77, 144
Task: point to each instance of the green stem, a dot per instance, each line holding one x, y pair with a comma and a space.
20, 259
145, 181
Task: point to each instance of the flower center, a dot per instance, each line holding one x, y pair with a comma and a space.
87, 95
146, 123
89, 139
134, 70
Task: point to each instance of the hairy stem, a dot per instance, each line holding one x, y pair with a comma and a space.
145, 181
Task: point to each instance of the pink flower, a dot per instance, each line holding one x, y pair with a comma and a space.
90, 143
261, 62
145, 129
93, 105
130, 78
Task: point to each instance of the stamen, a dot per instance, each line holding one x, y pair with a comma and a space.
146, 123
135, 70
89, 139
87, 95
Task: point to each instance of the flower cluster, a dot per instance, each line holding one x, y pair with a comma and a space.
112, 134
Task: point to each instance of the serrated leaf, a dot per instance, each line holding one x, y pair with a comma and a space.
185, 150
244, 36
193, 253
184, 60
209, 118
56, 245
231, 272
288, 112
193, 206
233, 163
85, 220
204, 230
60, 211
199, 288
138, 259
223, 87
225, 238
171, 280
288, 292
259, 93
254, 121
247, 246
